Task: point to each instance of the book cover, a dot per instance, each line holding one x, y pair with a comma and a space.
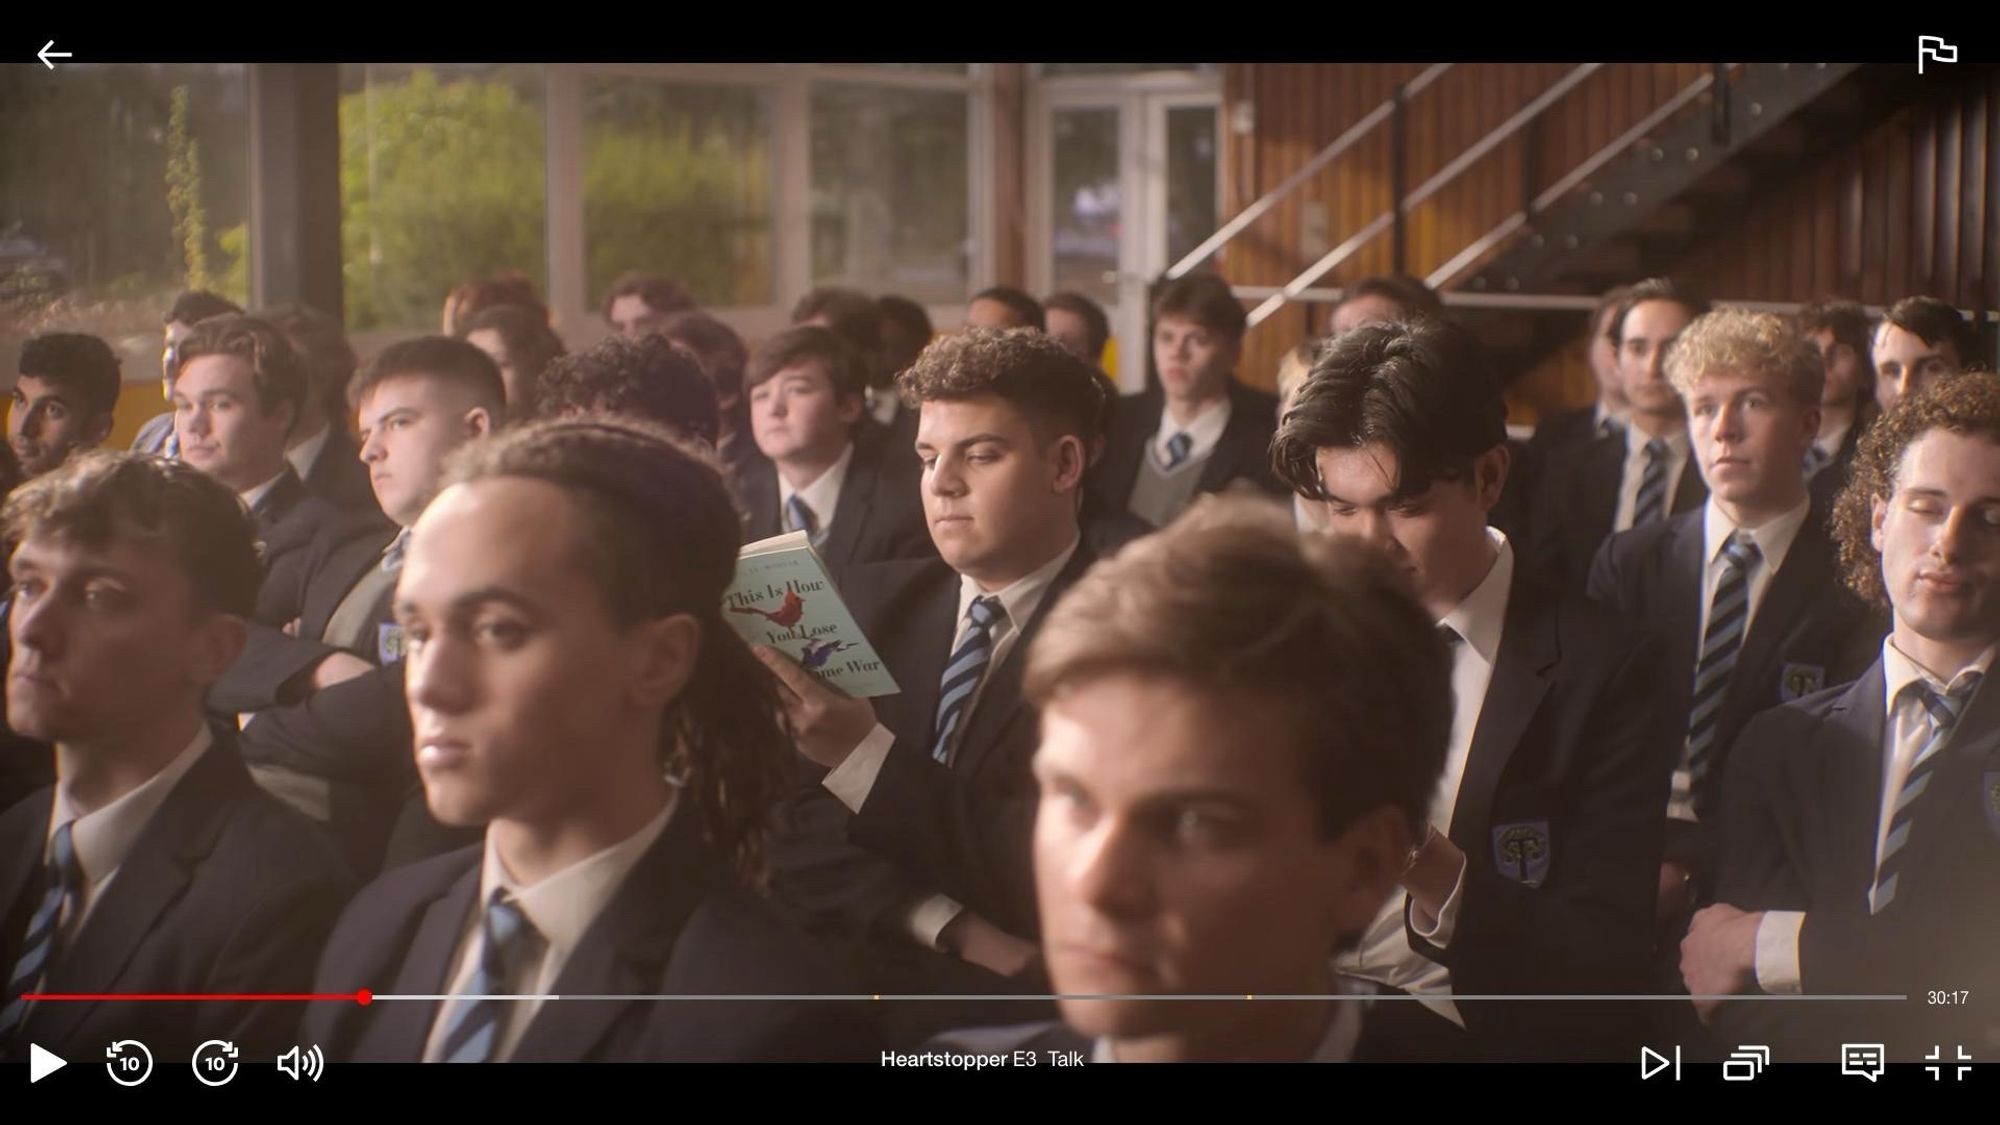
782, 597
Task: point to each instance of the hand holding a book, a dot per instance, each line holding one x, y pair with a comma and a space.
826, 724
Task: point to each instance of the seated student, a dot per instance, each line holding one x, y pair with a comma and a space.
64, 400
1743, 590
1004, 306
237, 393
154, 865
1539, 873
1859, 848
1383, 300
849, 490
640, 303
1293, 368
189, 308
649, 378
906, 332
1568, 428
1241, 732
1079, 324
1636, 475
911, 834
320, 449
323, 670
1203, 431
1919, 341
521, 344
574, 689
858, 320
510, 289
723, 357
1842, 332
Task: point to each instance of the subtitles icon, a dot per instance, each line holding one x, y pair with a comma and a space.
1746, 1063
1864, 1060
1934, 48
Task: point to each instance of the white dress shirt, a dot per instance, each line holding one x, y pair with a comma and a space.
1343, 1034
1906, 729
854, 779
102, 839
882, 406
561, 907
822, 495
305, 454
1830, 443
1384, 955
1774, 541
1203, 432
1678, 452
256, 495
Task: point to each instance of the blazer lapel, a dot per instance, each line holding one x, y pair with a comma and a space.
759, 484
1000, 702
917, 650
402, 1029
1225, 461
1528, 651
1596, 487
1853, 777
1692, 491
1123, 454
1807, 573
624, 952
850, 517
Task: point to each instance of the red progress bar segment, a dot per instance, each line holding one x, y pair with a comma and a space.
362, 997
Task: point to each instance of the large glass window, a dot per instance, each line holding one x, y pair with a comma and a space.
890, 198
678, 180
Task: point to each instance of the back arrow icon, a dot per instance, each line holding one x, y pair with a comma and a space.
45, 54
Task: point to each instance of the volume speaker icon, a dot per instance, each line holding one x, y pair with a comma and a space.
311, 1064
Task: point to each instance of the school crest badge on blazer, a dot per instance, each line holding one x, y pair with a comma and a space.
388, 644
1522, 851
1799, 680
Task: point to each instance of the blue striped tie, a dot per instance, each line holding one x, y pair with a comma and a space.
475, 1027
1178, 448
1944, 711
799, 517
38, 945
392, 557
1728, 614
962, 674
1652, 502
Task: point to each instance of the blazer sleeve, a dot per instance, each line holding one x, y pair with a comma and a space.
357, 730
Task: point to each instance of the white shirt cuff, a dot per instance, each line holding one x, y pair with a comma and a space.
1447, 919
1778, 951
853, 779
929, 917
1680, 798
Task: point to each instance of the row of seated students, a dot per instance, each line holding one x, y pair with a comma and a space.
507, 689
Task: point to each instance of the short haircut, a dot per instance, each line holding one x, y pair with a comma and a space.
277, 371
1025, 308
1850, 325
1423, 388
85, 366
1741, 342
1935, 323
809, 343
442, 358
531, 344
1058, 393
193, 306
1657, 289
1097, 326
907, 316
1608, 306
98, 496
1411, 295
662, 294
1964, 403
1318, 631
1205, 299
322, 344
660, 538
851, 314
506, 290
651, 379
720, 350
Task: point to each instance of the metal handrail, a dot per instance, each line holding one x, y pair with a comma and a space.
1424, 191
1269, 199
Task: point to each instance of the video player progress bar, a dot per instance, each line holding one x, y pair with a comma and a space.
365, 997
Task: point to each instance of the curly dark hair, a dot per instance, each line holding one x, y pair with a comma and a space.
661, 540
650, 378
1967, 403
1059, 393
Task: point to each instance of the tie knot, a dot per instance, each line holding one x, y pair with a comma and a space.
62, 858
1178, 447
508, 929
983, 612
800, 515
1945, 707
392, 556
1741, 551
1449, 636
1656, 449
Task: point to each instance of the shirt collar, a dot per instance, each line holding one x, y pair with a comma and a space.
1022, 597
105, 837
1636, 439
1830, 443
305, 454
1774, 539
563, 906
1478, 619
256, 495
1203, 432
823, 494
1899, 672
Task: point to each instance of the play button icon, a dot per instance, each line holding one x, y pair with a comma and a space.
43, 1062
1652, 1062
